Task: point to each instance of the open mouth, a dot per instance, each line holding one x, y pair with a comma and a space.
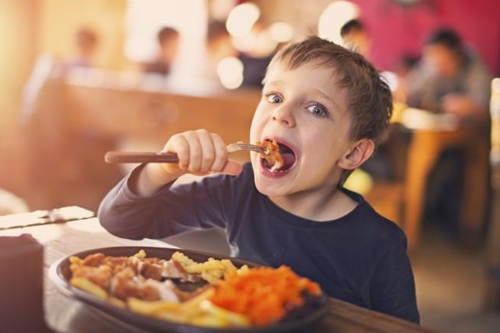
279, 160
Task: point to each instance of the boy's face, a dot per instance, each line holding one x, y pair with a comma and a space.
305, 112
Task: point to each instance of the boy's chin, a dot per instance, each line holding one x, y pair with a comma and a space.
271, 185
270, 190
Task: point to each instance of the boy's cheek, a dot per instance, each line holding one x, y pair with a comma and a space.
256, 130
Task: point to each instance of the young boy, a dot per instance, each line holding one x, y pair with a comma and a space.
327, 108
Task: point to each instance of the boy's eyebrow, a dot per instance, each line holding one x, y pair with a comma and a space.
325, 96
273, 83
319, 92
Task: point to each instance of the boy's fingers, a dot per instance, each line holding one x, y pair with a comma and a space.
208, 151
220, 148
232, 168
179, 145
200, 152
195, 151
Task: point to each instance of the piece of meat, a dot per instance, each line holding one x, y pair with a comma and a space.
272, 155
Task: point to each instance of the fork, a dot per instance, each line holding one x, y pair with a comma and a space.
239, 146
116, 156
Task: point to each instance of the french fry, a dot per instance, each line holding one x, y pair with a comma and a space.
208, 320
150, 308
140, 254
89, 286
117, 302
169, 311
95, 290
212, 270
183, 260
243, 270
229, 317
74, 260
176, 312
195, 301
198, 311
213, 276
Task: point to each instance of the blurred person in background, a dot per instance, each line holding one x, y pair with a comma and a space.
403, 70
355, 37
168, 42
451, 78
86, 42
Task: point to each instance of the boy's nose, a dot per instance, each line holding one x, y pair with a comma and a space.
283, 116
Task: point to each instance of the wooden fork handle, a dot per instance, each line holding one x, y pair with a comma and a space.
140, 157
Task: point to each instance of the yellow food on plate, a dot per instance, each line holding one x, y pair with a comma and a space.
233, 297
92, 288
212, 270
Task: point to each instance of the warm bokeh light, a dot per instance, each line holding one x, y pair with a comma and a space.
495, 121
392, 79
359, 181
334, 17
242, 18
495, 85
495, 98
281, 32
230, 72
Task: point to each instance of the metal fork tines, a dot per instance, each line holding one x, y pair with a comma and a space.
238, 146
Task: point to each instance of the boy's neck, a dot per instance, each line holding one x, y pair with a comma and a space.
317, 206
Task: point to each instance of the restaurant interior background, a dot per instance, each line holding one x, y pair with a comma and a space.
113, 105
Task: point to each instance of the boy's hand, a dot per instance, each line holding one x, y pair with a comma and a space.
200, 152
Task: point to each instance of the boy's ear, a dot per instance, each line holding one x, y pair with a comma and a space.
357, 154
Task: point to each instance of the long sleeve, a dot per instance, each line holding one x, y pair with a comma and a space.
173, 210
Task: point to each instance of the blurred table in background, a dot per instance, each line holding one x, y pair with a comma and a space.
431, 135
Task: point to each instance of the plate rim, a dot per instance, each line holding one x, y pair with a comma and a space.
144, 322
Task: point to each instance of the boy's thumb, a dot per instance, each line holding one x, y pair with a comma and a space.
232, 168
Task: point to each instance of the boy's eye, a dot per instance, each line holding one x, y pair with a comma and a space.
318, 110
273, 98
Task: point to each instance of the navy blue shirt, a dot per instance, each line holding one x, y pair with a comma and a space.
359, 258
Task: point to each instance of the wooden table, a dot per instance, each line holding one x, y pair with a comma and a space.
65, 314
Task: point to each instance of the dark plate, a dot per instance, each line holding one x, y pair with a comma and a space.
60, 274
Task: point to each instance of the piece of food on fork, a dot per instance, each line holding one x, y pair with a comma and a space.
272, 155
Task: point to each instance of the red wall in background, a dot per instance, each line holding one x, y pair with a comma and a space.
396, 30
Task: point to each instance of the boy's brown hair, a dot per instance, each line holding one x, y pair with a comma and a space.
369, 99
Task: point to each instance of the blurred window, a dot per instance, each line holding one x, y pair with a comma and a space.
145, 18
